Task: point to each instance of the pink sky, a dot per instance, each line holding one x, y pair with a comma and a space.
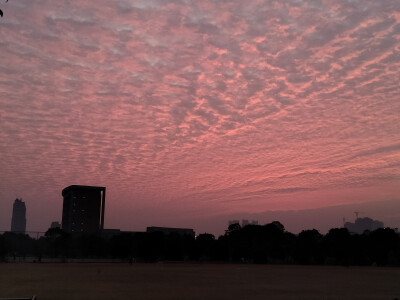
195, 112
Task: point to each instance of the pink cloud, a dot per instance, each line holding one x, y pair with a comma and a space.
196, 109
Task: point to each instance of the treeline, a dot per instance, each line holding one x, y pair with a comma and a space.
267, 244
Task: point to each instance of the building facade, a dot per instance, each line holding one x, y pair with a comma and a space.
83, 209
18, 220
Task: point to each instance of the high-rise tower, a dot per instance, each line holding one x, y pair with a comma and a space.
83, 208
18, 220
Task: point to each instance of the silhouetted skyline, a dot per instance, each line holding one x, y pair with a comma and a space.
267, 244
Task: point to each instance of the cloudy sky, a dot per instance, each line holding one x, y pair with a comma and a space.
195, 111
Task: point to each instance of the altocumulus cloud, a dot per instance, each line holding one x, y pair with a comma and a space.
179, 104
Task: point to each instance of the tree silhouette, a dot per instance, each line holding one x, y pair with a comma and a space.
233, 227
337, 246
3, 248
309, 247
205, 244
57, 242
384, 244
264, 244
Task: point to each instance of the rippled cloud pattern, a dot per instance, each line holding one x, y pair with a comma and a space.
186, 109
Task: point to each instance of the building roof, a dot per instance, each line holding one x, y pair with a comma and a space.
169, 230
82, 187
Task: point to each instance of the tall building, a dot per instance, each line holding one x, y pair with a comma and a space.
18, 220
83, 208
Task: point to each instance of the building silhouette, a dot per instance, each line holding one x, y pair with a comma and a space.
245, 222
18, 220
83, 208
362, 224
169, 230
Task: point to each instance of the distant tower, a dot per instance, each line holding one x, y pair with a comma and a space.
83, 208
18, 221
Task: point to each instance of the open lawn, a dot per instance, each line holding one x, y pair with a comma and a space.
195, 281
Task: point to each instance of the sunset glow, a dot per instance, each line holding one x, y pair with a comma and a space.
194, 112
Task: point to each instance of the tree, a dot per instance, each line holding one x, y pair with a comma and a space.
18, 244
384, 246
274, 234
337, 246
57, 241
205, 244
308, 247
3, 249
278, 225
233, 227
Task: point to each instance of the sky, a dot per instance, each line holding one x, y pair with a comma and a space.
192, 113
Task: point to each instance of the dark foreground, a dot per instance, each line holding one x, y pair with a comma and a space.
196, 281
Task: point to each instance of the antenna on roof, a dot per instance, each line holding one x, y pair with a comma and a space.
356, 213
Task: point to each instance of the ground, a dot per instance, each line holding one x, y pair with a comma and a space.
195, 281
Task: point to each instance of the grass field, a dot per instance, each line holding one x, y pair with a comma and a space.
196, 281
